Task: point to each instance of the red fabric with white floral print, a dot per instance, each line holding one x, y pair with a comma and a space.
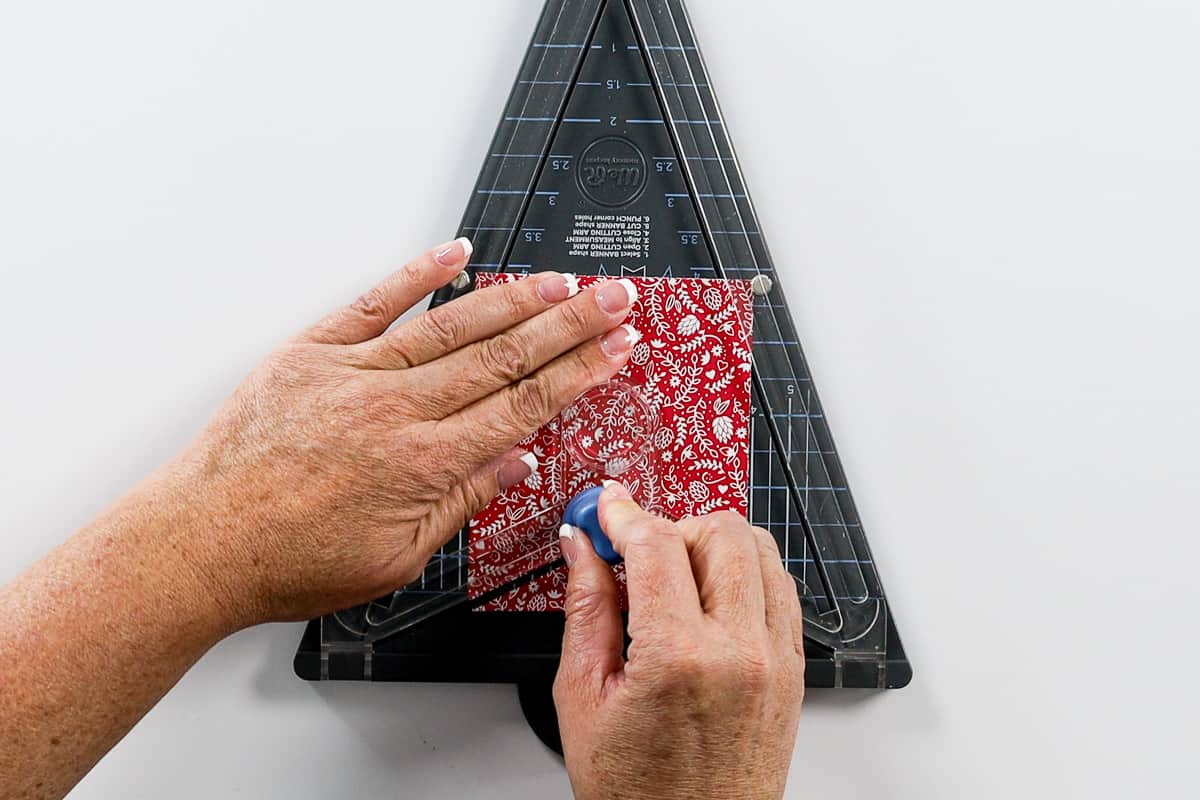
692, 367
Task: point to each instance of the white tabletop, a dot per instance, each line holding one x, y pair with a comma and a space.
985, 216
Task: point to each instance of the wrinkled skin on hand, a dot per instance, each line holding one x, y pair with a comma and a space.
329, 478
706, 704
354, 451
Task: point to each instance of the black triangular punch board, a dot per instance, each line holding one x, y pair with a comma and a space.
613, 158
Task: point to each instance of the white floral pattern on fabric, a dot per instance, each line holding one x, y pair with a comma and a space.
693, 368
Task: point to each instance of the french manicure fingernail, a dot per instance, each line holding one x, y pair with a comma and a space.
453, 253
617, 491
620, 341
517, 471
566, 543
615, 296
556, 288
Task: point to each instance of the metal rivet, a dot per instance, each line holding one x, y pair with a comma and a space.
761, 285
461, 281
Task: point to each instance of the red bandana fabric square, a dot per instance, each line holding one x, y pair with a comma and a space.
673, 427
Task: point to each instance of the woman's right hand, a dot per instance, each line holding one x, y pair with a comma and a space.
707, 702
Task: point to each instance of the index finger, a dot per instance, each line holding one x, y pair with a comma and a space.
471, 318
374, 312
662, 589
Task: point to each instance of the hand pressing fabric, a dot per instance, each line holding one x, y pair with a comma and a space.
329, 478
352, 454
707, 701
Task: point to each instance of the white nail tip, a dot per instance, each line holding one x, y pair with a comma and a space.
630, 288
572, 284
467, 247
609, 483
567, 532
531, 461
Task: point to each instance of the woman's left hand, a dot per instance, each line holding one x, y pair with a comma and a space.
354, 451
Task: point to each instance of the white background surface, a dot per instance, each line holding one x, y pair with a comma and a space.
986, 216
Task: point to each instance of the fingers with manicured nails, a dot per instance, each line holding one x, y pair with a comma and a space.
474, 435
662, 590
478, 370
594, 638
372, 314
466, 499
473, 317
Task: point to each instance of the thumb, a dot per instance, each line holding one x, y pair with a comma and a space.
623, 519
594, 638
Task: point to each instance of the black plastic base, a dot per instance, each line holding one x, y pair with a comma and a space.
537, 701
524, 647
611, 81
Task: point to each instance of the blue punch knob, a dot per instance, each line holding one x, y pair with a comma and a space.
582, 512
